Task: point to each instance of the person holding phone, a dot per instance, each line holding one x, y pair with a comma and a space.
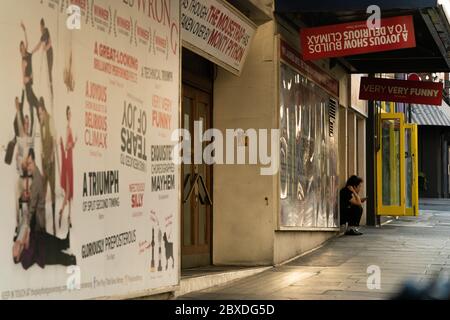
351, 205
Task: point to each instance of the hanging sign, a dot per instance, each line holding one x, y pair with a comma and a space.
217, 31
417, 92
356, 38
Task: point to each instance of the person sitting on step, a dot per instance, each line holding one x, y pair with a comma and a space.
351, 205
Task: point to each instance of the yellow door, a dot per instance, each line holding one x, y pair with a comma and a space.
411, 170
391, 199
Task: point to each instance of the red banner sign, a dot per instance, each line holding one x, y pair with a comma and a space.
356, 38
406, 91
309, 69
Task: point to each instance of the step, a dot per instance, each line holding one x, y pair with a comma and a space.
200, 279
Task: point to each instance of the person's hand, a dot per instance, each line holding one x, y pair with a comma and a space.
351, 189
16, 251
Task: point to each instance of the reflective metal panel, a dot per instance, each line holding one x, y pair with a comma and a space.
308, 151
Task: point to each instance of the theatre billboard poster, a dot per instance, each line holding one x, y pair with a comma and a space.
217, 31
90, 90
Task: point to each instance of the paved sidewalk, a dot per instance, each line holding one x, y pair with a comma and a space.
435, 204
405, 249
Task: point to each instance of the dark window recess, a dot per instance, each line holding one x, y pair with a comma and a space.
197, 71
332, 109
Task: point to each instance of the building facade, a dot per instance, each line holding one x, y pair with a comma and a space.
294, 210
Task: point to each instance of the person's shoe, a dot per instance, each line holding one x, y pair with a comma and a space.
68, 251
350, 232
353, 232
72, 260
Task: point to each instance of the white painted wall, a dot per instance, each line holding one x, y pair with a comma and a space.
343, 146
358, 105
352, 147
290, 244
243, 232
362, 163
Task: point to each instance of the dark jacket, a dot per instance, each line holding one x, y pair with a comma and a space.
37, 201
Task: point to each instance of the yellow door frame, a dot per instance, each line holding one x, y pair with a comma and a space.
414, 210
415, 145
396, 210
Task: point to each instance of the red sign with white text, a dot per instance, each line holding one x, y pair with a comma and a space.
405, 91
356, 38
309, 69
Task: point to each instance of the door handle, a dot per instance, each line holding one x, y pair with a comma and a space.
191, 189
198, 196
208, 199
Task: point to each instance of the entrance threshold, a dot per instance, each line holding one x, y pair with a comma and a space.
198, 279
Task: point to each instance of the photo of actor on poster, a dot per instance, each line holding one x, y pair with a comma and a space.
35, 187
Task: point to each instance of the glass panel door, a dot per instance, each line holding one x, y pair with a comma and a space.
204, 205
188, 177
391, 165
409, 168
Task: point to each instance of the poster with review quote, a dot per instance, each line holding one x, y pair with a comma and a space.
90, 98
